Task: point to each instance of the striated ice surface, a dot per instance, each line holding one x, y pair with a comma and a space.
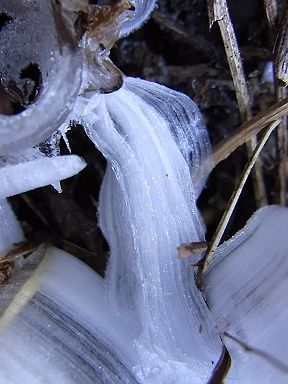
185, 124
246, 287
147, 208
54, 331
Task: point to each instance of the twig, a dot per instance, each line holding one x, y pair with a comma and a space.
218, 11
278, 364
251, 127
233, 201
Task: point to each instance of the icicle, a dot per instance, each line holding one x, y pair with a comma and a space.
37, 173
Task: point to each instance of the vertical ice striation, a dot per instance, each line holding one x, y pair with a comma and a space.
147, 208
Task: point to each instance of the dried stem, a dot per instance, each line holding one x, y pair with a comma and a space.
218, 11
251, 127
233, 201
271, 9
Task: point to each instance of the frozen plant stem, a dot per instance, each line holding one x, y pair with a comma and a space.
233, 201
218, 11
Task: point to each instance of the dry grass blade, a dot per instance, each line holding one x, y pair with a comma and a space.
271, 9
218, 11
251, 127
233, 201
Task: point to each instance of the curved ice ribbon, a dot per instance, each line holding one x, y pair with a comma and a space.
147, 208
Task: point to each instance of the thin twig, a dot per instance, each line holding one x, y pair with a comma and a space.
233, 201
251, 127
278, 364
218, 11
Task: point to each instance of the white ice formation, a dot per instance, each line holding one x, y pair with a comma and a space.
147, 321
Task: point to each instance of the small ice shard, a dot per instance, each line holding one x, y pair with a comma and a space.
28, 175
246, 286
